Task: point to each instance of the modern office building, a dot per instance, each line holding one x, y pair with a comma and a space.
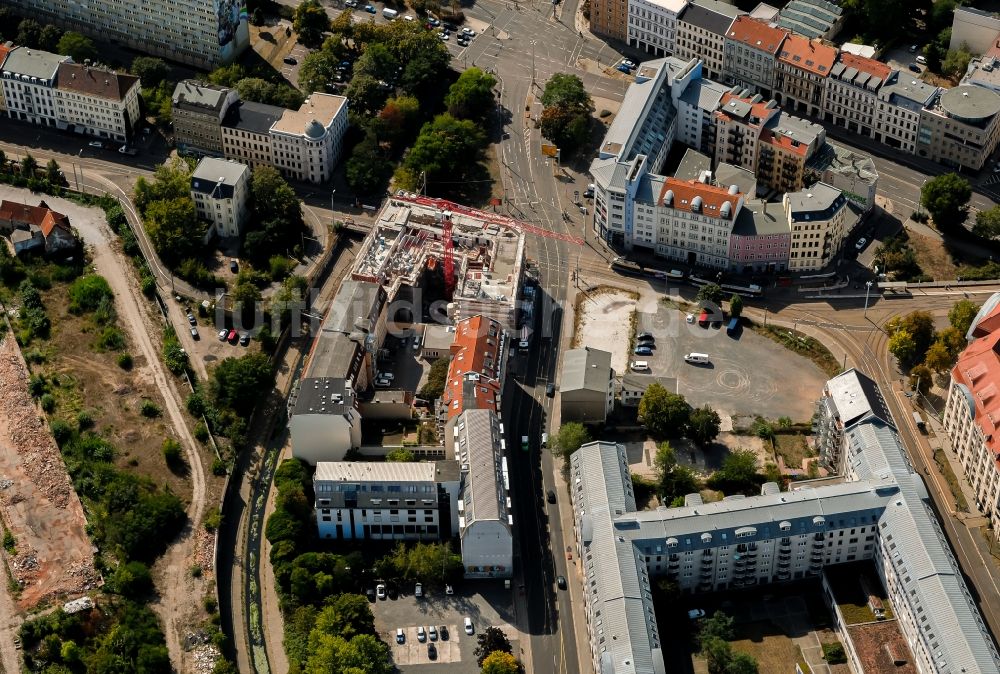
882, 512
820, 219
701, 34
848, 399
800, 77
961, 128
485, 520
197, 112
587, 386
220, 189
751, 53
387, 500
200, 33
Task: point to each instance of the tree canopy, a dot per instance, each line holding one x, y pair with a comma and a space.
571, 436
567, 107
491, 640
987, 223
174, 229
77, 46
239, 383
150, 70
471, 96
704, 424
665, 414
674, 480
446, 150
918, 327
946, 198
310, 21
499, 662
961, 315
710, 292
738, 474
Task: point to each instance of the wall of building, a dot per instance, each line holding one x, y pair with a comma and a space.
324, 437
487, 550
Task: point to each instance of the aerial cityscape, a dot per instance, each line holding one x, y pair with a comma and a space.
500, 336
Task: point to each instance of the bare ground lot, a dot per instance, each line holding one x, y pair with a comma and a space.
604, 321
53, 555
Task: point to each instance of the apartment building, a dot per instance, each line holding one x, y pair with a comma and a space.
900, 101
587, 386
220, 189
848, 399
802, 69
5, 49
97, 102
652, 25
760, 240
29, 85
851, 96
751, 48
477, 369
246, 132
961, 127
387, 500
485, 521
194, 32
701, 34
739, 123
324, 419
610, 18
972, 411
846, 169
784, 150
197, 111
773, 537
307, 142
820, 219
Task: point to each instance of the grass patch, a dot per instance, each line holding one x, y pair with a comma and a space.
949, 475
793, 448
802, 345
856, 613
764, 640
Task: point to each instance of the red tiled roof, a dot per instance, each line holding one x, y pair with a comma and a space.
988, 324
760, 110
53, 220
810, 55
865, 65
475, 360
25, 214
783, 141
685, 191
4, 50
757, 34
978, 368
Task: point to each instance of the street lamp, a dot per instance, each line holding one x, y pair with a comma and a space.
868, 288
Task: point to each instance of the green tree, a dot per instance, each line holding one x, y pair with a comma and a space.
398, 122
310, 21
953, 339
956, 62
946, 198
276, 216
987, 223
436, 379
710, 292
717, 626
735, 306
718, 653
921, 379
665, 414
962, 313
471, 96
491, 640
499, 662
132, 580
902, 346
674, 479
29, 34
738, 473
428, 562
377, 62
446, 149
239, 383
367, 169
49, 37
28, 166
347, 615
920, 326
366, 95
938, 359
742, 663
400, 455
52, 172
566, 91
704, 424
88, 292
261, 91
571, 437
565, 118
150, 70
174, 229
317, 69
78, 46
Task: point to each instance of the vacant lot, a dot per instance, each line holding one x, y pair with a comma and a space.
604, 321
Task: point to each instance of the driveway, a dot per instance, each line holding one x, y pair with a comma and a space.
747, 375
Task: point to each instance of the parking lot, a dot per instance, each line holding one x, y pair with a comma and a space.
742, 375
398, 357
486, 603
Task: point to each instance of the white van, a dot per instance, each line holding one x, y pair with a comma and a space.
696, 358
922, 60
390, 13
639, 366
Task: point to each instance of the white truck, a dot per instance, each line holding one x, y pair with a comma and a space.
390, 13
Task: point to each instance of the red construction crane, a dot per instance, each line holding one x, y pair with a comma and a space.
449, 257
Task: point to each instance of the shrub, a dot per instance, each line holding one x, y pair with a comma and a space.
84, 420
201, 432
37, 385
48, 402
61, 431
834, 653
219, 467
213, 519
87, 292
34, 356
211, 605
196, 571
125, 361
8, 542
149, 409
111, 339
172, 454
195, 404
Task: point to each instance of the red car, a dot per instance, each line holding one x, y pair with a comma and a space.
703, 319
232, 336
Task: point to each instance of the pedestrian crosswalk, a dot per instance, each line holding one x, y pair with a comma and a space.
992, 179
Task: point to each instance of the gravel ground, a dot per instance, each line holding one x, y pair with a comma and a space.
605, 323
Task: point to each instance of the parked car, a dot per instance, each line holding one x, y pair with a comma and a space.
448, 590
222, 335
444, 632
646, 335
551, 496
431, 21
861, 243
450, 26
418, 590
380, 591
382, 383
290, 60
689, 318
462, 41
400, 635
914, 67
643, 351
561, 582
443, 36
96, 143
191, 318
469, 629
468, 32
407, 17
245, 339
370, 594
351, 3
626, 62
622, 68
194, 333
370, 9
388, 376
234, 265
913, 49
421, 633
130, 151
921, 59
231, 337
696, 613
432, 632
589, 192
432, 651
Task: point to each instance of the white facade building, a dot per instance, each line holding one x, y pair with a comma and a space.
29, 85
851, 97
820, 219
485, 522
97, 102
219, 189
324, 420
195, 32
899, 104
387, 500
701, 33
652, 25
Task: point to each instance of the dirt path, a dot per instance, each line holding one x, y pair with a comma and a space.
176, 596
